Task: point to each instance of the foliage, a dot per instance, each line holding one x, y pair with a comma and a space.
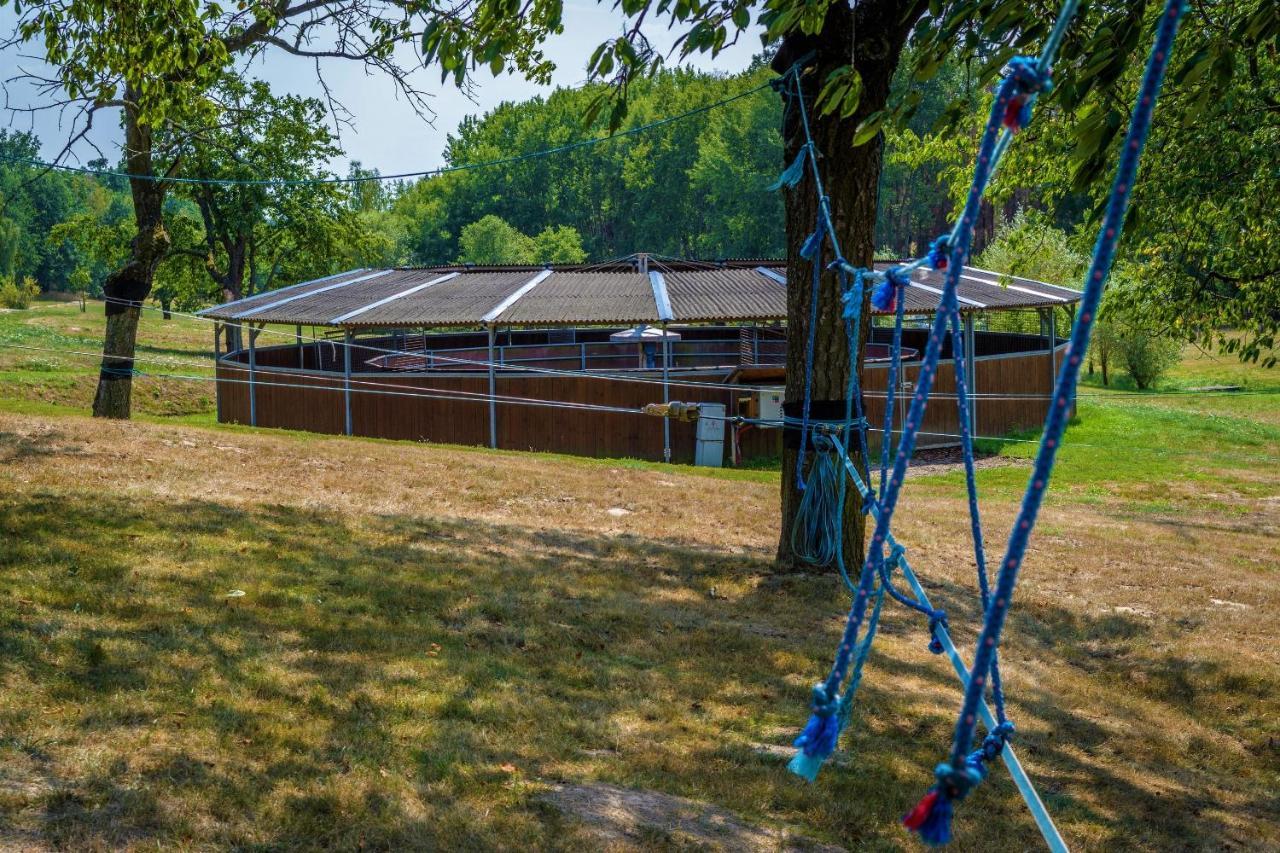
250, 233
18, 292
492, 240
1147, 356
1029, 246
558, 244
693, 187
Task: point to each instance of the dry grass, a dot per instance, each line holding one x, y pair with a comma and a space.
430, 637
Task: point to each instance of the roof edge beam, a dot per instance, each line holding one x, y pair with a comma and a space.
392, 298
278, 302
971, 302
1049, 296
660, 296
772, 274
502, 307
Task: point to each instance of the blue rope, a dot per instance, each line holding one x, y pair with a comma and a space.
958, 354
965, 769
898, 282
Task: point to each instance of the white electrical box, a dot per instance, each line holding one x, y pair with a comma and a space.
769, 405
709, 451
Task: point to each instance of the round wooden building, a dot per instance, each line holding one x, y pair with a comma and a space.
560, 359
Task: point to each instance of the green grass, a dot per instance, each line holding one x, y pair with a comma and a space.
430, 636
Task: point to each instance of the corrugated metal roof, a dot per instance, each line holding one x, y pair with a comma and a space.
460, 301
709, 295
567, 296
572, 298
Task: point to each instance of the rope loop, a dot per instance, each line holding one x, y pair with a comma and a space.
1027, 78
939, 249
993, 743
937, 620
885, 295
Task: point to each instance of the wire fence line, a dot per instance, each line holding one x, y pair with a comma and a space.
369, 387
509, 367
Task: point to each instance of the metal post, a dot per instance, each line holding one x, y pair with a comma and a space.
298, 336
1053, 334
970, 369
583, 348
493, 390
346, 381
217, 359
666, 393
253, 365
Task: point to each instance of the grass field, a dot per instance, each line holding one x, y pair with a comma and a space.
431, 639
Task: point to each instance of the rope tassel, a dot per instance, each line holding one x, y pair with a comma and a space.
818, 740
792, 174
931, 817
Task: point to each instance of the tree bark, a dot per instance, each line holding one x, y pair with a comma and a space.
870, 36
127, 287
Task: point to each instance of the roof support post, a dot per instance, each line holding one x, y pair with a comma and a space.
666, 393
970, 369
253, 367
493, 390
298, 335
217, 360
1052, 332
346, 381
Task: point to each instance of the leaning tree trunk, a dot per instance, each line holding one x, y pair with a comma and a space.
850, 176
127, 287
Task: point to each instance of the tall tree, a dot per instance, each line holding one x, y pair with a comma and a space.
278, 145
156, 61
845, 56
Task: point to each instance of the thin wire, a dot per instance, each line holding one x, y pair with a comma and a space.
369, 388
442, 170
726, 386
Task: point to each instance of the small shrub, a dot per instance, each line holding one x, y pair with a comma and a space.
18, 294
1146, 356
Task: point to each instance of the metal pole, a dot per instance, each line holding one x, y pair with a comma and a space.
298, 335
253, 365
217, 358
1053, 334
346, 381
493, 390
970, 369
666, 394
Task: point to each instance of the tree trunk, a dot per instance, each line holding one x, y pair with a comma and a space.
127, 287
851, 176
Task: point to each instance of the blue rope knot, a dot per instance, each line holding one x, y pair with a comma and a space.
939, 250
896, 553
1027, 78
818, 740
885, 295
937, 620
931, 817
993, 743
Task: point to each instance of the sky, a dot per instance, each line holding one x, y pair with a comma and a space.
386, 133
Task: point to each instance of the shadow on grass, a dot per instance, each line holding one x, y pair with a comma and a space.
404, 683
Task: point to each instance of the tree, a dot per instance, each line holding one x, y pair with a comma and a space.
158, 63
846, 57
558, 244
492, 240
1147, 355
260, 138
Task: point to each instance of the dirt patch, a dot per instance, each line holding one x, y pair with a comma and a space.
940, 460
626, 817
